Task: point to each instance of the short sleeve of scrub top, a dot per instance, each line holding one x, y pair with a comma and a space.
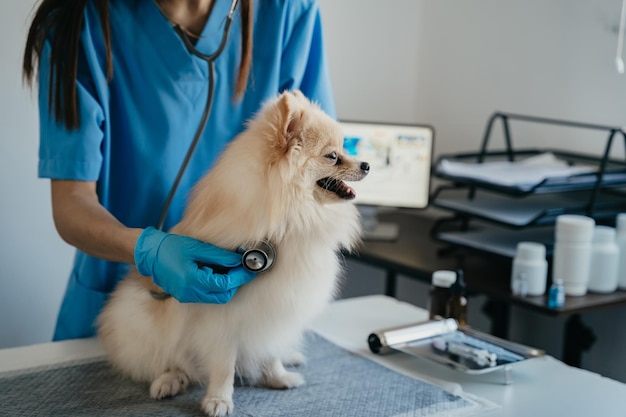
135, 129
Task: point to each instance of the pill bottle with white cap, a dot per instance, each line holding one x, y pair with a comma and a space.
529, 272
442, 280
620, 226
572, 252
604, 261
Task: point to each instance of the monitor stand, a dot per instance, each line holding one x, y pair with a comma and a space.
374, 229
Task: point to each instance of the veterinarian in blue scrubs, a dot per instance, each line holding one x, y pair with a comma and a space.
112, 172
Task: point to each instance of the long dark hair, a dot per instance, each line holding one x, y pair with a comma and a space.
64, 19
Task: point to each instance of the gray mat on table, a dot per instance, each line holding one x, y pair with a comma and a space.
338, 383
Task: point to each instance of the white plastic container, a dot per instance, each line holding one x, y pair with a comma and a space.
620, 224
530, 269
605, 258
572, 252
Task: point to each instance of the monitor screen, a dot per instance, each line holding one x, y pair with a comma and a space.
400, 158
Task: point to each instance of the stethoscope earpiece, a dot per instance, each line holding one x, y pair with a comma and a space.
260, 258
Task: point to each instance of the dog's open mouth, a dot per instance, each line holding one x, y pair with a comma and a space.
338, 187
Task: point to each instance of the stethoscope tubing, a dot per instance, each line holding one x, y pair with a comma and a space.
256, 259
210, 60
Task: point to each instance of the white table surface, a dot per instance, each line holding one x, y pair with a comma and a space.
541, 387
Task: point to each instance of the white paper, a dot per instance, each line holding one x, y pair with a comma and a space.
525, 173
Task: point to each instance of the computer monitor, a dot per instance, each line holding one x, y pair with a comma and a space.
400, 158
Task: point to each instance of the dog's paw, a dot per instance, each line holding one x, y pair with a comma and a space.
295, 358
286, 380
169, 384
216, 406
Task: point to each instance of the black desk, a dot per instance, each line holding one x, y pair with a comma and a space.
416, 254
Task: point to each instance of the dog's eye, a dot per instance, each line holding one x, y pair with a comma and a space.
332, 156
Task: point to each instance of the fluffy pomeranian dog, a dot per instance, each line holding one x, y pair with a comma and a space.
281, 180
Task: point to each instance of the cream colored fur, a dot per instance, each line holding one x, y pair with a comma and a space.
262, 187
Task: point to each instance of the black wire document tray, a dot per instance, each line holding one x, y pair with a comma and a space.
495, 240
588, 171
534, 210
548, 171
517, 188
461, 348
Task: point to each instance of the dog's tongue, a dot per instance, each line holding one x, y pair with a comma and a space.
345, 191
338, 187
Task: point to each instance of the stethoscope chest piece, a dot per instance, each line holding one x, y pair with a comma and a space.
260, 258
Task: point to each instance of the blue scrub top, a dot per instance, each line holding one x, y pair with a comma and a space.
135, 130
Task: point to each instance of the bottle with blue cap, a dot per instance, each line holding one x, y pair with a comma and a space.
556, 294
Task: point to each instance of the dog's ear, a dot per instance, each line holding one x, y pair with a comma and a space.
290, 119
299, 94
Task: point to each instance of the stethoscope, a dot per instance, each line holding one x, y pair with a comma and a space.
260, 257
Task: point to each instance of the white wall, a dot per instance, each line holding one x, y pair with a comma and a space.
373, 50
34, 262
551, 58
448, 63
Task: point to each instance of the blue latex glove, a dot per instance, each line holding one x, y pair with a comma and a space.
181, 266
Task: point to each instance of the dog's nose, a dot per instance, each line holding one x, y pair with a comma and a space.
365, 167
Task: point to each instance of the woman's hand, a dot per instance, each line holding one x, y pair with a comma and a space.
190, 270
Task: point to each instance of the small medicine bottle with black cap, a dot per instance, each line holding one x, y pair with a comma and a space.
440, 293
457, 304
